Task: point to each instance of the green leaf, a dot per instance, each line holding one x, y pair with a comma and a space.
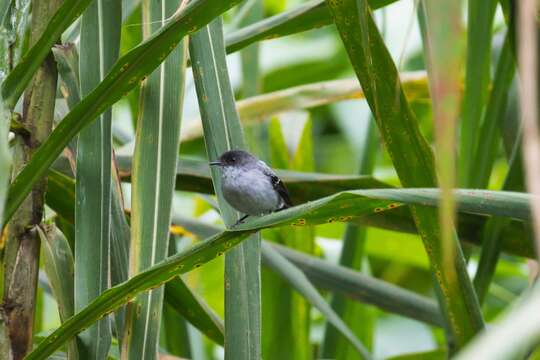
364, 288
154, 170
93, 185
124, 76
250, 12
486, 149
175, 334
479, 25
223, 132
58, 264
181, 298
120, 241
424, 355
330, 209
345, 282
358, 317
443, 46
521, 324
59, 267
20, 76
485, 158
410, 154
299, 282
256, 109
285, 312
310, 15
67, 60
59, 186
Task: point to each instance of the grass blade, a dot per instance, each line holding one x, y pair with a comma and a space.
67, 59
486, 150
175, 333
441, 35
411, 155
18, 79
299, 282
256, 109
364, 288
124, 76
154, 167
357, 316
485, 158
521, 324
223, 132
285, 313
250, 12
184, 301
120, 241
59, 267
58, 263
479, 24
310, 15
93, 186
344, 281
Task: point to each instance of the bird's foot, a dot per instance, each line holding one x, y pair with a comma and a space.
240, 221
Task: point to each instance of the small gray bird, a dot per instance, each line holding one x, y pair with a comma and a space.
249, 185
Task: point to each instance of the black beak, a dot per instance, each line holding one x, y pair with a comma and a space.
215, 163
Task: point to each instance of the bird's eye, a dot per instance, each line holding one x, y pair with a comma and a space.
233, 159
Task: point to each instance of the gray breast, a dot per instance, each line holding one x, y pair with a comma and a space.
249, 191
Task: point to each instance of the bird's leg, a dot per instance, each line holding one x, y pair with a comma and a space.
241, 220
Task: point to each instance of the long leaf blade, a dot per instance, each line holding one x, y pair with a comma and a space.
257, 108
59, 267
310, 15
93, 186
364, 288
480, 21
223, 132
18, 79
411, 156
353, 256
299, 281
154, 170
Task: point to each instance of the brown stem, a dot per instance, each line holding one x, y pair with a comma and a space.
21, 261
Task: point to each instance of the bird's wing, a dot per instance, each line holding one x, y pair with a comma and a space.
278, 185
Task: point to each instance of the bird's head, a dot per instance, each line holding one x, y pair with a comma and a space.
234, 158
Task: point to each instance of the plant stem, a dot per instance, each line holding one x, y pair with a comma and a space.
22, 248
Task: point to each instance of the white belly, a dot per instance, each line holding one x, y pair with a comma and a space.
250, 192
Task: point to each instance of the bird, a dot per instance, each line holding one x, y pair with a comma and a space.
250, 186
